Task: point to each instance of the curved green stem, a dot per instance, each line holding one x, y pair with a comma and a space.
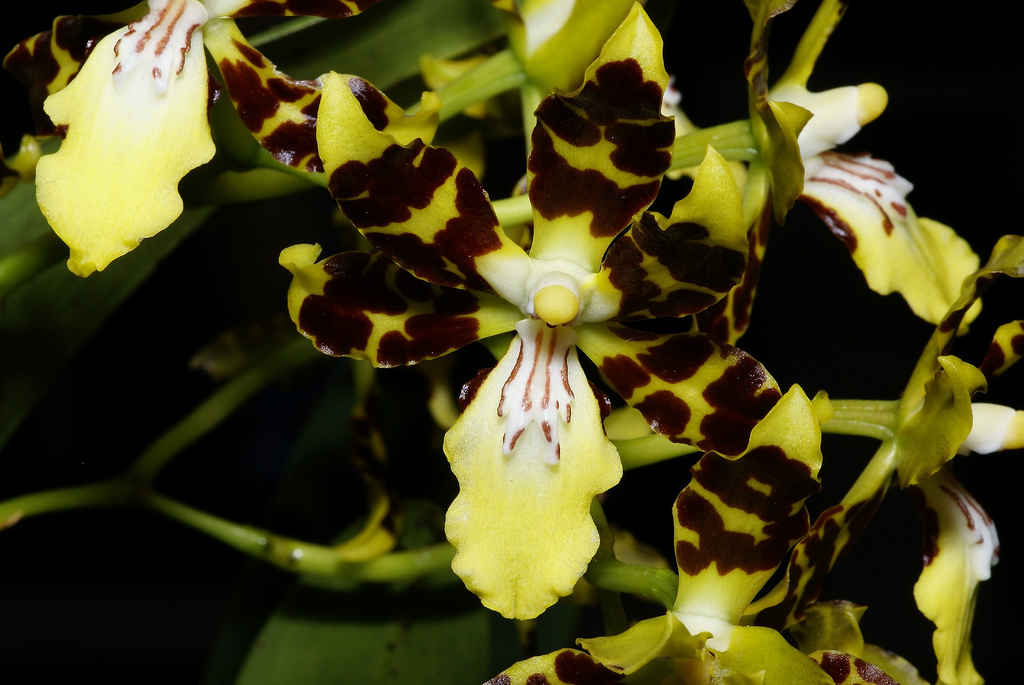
305, 557
218, 406
29, 259
869, 418
733, 141
116, 492
605, 572
513, 210
650, 449
497, 74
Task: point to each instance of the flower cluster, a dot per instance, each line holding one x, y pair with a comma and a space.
600, 312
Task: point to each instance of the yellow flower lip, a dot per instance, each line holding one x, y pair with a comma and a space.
556, 304
871, 102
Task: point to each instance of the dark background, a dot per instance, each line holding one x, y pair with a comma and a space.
130, 597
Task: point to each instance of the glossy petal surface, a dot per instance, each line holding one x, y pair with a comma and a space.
862, 200
690, 387
598, 155
278, 110
106, 188
961, 546
683, 264
521, 521
414, 202
363, 305
737, 519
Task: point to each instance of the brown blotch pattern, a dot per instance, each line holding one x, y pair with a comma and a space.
785, 521
828, 541
639, 260
846, 669
34, 64
741, 396
619, 106
259, 92
341, 320
385, 190
576, 668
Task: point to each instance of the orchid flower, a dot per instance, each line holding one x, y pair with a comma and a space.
529, 449
734, 523
862, 199
132, 112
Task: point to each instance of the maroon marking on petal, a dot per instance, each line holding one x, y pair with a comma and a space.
537, 679
790, 483
373, 103
560, 189
741, 397
604, 403
680, 248
568, 123
678, 358
579, 669
433, 334
619, 92
666, 413
839, 228
1017, 344
836, 665
470, 234
33, 64
641, 149
395, 183
994, 360
471, 387
625, 374
338, 319
870, 673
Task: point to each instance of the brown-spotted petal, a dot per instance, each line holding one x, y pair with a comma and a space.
737, 518
362, 305
1005, 350
729, 318
564, 667
46, 62
414, 202
277, 109
690, 387
598, 154
683, 264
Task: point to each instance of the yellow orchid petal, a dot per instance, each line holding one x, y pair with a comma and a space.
863, 202
530, 455
135, 123
961, 546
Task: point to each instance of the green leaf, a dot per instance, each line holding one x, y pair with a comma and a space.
373, 635
46, 321
383, 45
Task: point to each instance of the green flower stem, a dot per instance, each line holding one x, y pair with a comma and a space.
613, 612
497, 74
254, 184
870, 418
305, 557
293, 354
28, 260
608, 573
811, 43
659, 584
650, 449
875, 475
117, 492
513, 210
267, 161
733, 141
283, 30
